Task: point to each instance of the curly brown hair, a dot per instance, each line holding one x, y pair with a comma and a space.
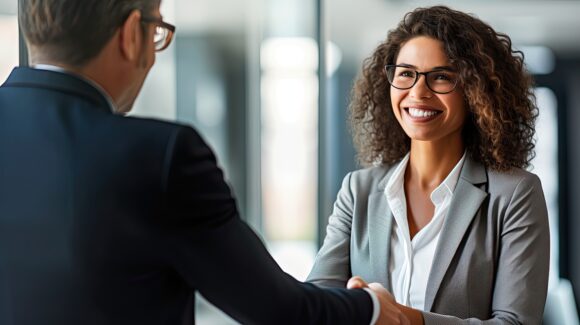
499, 126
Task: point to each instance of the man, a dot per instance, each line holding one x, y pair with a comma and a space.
106, 219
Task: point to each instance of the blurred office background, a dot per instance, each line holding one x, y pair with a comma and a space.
254, 77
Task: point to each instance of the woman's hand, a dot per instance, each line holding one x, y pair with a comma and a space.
391, 312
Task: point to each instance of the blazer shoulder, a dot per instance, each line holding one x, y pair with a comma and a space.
153, 132
153, 140
156, 126
370, 178
514, 177
508, 181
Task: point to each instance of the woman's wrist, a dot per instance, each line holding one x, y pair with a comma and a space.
415, 316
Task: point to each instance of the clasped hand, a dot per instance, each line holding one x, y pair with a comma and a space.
391, 312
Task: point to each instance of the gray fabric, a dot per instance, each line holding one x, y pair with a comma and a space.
491, 263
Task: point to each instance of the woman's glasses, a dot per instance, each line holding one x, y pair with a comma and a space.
440, 81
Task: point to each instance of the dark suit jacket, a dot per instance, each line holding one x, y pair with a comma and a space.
107, 219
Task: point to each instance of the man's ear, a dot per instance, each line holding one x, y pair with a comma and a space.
131, 36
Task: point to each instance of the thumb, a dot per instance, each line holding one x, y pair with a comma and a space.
356, 282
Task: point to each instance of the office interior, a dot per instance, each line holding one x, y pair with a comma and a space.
267, 83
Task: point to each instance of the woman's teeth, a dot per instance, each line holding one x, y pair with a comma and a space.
416, 112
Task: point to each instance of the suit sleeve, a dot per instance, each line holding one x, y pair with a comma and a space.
524, 256
332, 265
217, 254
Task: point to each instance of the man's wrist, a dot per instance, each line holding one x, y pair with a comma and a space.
376, 306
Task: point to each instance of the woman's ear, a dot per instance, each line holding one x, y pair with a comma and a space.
131, 36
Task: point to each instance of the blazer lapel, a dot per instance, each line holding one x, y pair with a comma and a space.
467, 199
380, 220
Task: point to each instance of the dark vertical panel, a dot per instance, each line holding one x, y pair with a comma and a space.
253, 132
565, 83
237, 115
22, 50
573, 179
556, 81
324, 197
339, 146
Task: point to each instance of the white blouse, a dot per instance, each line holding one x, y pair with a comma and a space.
410, 260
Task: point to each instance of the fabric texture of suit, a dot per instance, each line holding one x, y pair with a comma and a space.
107, 219
492, 259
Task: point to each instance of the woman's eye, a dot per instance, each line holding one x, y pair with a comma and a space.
407, 73
443, 77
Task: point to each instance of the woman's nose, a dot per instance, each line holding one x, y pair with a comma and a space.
420, 88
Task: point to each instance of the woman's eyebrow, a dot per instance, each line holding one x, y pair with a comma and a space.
406, 65
442, 67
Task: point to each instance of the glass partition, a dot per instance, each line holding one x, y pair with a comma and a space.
8, 38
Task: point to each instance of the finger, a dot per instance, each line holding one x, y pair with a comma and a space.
356, 282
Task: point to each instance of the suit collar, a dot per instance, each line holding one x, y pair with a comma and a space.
382, 184
467, 199
473, 172
58, 81
380, 220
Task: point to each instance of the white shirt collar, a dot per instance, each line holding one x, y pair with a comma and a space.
397, 178
446, 187
449, 183
98, 87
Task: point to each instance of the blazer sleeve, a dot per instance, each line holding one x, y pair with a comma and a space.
217, 254
521, 284
332, 264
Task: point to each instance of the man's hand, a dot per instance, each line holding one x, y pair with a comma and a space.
390, 313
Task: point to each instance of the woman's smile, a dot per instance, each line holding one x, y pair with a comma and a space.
421, 113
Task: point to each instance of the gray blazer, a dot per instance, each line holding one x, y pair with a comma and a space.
491, 263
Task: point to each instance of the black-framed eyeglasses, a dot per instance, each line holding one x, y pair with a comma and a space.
440, 81
163, 32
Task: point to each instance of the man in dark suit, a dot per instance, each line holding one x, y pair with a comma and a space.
106, 219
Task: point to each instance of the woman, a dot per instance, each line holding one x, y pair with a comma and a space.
447, 219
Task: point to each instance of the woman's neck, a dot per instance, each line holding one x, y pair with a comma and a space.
430, 162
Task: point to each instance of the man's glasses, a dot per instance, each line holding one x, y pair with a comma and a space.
440, 81
163, 32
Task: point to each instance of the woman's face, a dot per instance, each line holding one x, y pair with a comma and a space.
424, 114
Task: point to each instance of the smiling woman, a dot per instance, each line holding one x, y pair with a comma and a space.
447, 219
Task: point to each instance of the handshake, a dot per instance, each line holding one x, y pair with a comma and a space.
391, 312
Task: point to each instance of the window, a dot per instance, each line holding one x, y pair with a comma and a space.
8, 38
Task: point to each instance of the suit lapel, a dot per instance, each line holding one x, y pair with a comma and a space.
467, 199
380, 220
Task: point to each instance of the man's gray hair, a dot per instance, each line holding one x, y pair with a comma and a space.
75, 31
